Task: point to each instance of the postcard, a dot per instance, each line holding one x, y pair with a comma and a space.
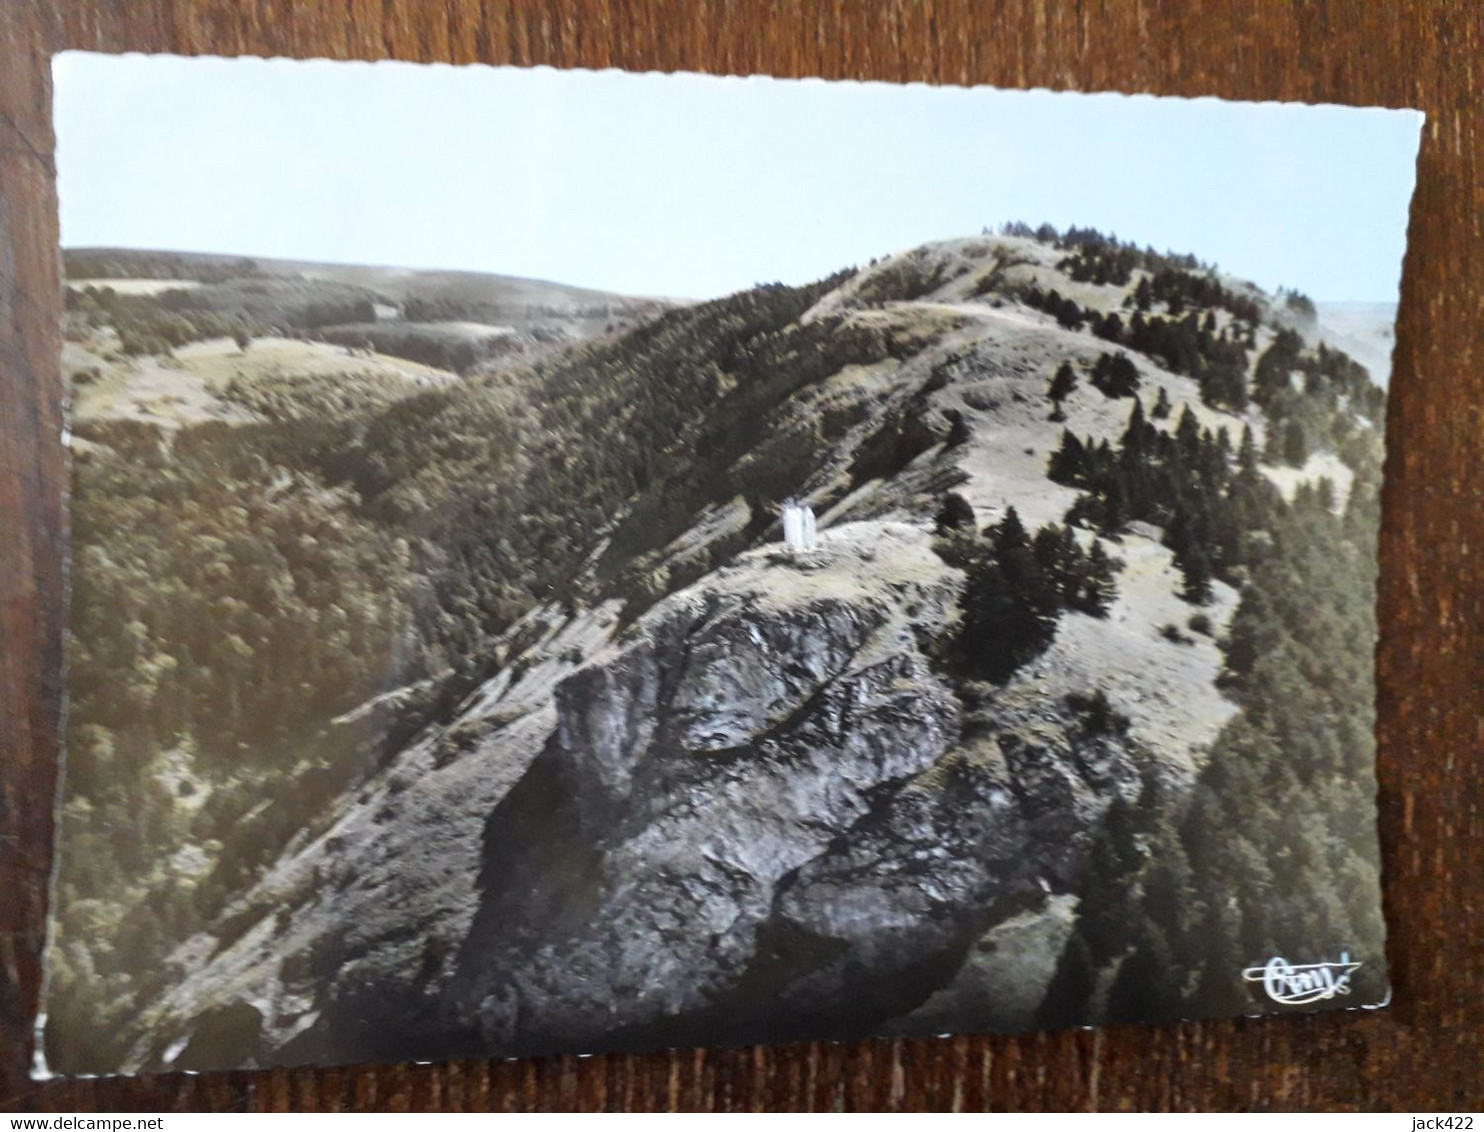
579, 561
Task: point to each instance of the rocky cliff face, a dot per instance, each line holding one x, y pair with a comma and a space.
757, 813
693, 777
768, 807
762, 818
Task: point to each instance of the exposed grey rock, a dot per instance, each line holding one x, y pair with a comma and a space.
751, 819
744, 726
887, 914
1004, 976
759, 813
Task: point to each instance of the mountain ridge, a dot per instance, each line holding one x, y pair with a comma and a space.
594, 516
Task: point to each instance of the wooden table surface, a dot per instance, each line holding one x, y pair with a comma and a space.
1424, 1053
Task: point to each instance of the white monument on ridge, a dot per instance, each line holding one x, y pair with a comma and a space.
798, 525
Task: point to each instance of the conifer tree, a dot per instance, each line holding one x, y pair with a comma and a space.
1271, 375
1100, 588
1010, 604
1068, 1000
1112, 865
955, 514
1069, 462
1325, 494
1110, 327
1162, 406
1188, 436
1143, 989
1138, 434
1115, 507
1247, 452
1115, 375
1295, 444
1062, 385
1052, 554
958, 429
1197, 568
1009, 534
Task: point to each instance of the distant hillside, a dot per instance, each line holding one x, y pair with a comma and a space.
281, 295
1365, 331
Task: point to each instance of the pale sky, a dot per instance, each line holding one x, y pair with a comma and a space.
693, 185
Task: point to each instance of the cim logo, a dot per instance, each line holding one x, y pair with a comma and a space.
1309, 982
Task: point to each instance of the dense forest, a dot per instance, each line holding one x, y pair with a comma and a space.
157, 323
1182, 891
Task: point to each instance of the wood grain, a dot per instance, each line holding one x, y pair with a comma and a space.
1425, 1053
